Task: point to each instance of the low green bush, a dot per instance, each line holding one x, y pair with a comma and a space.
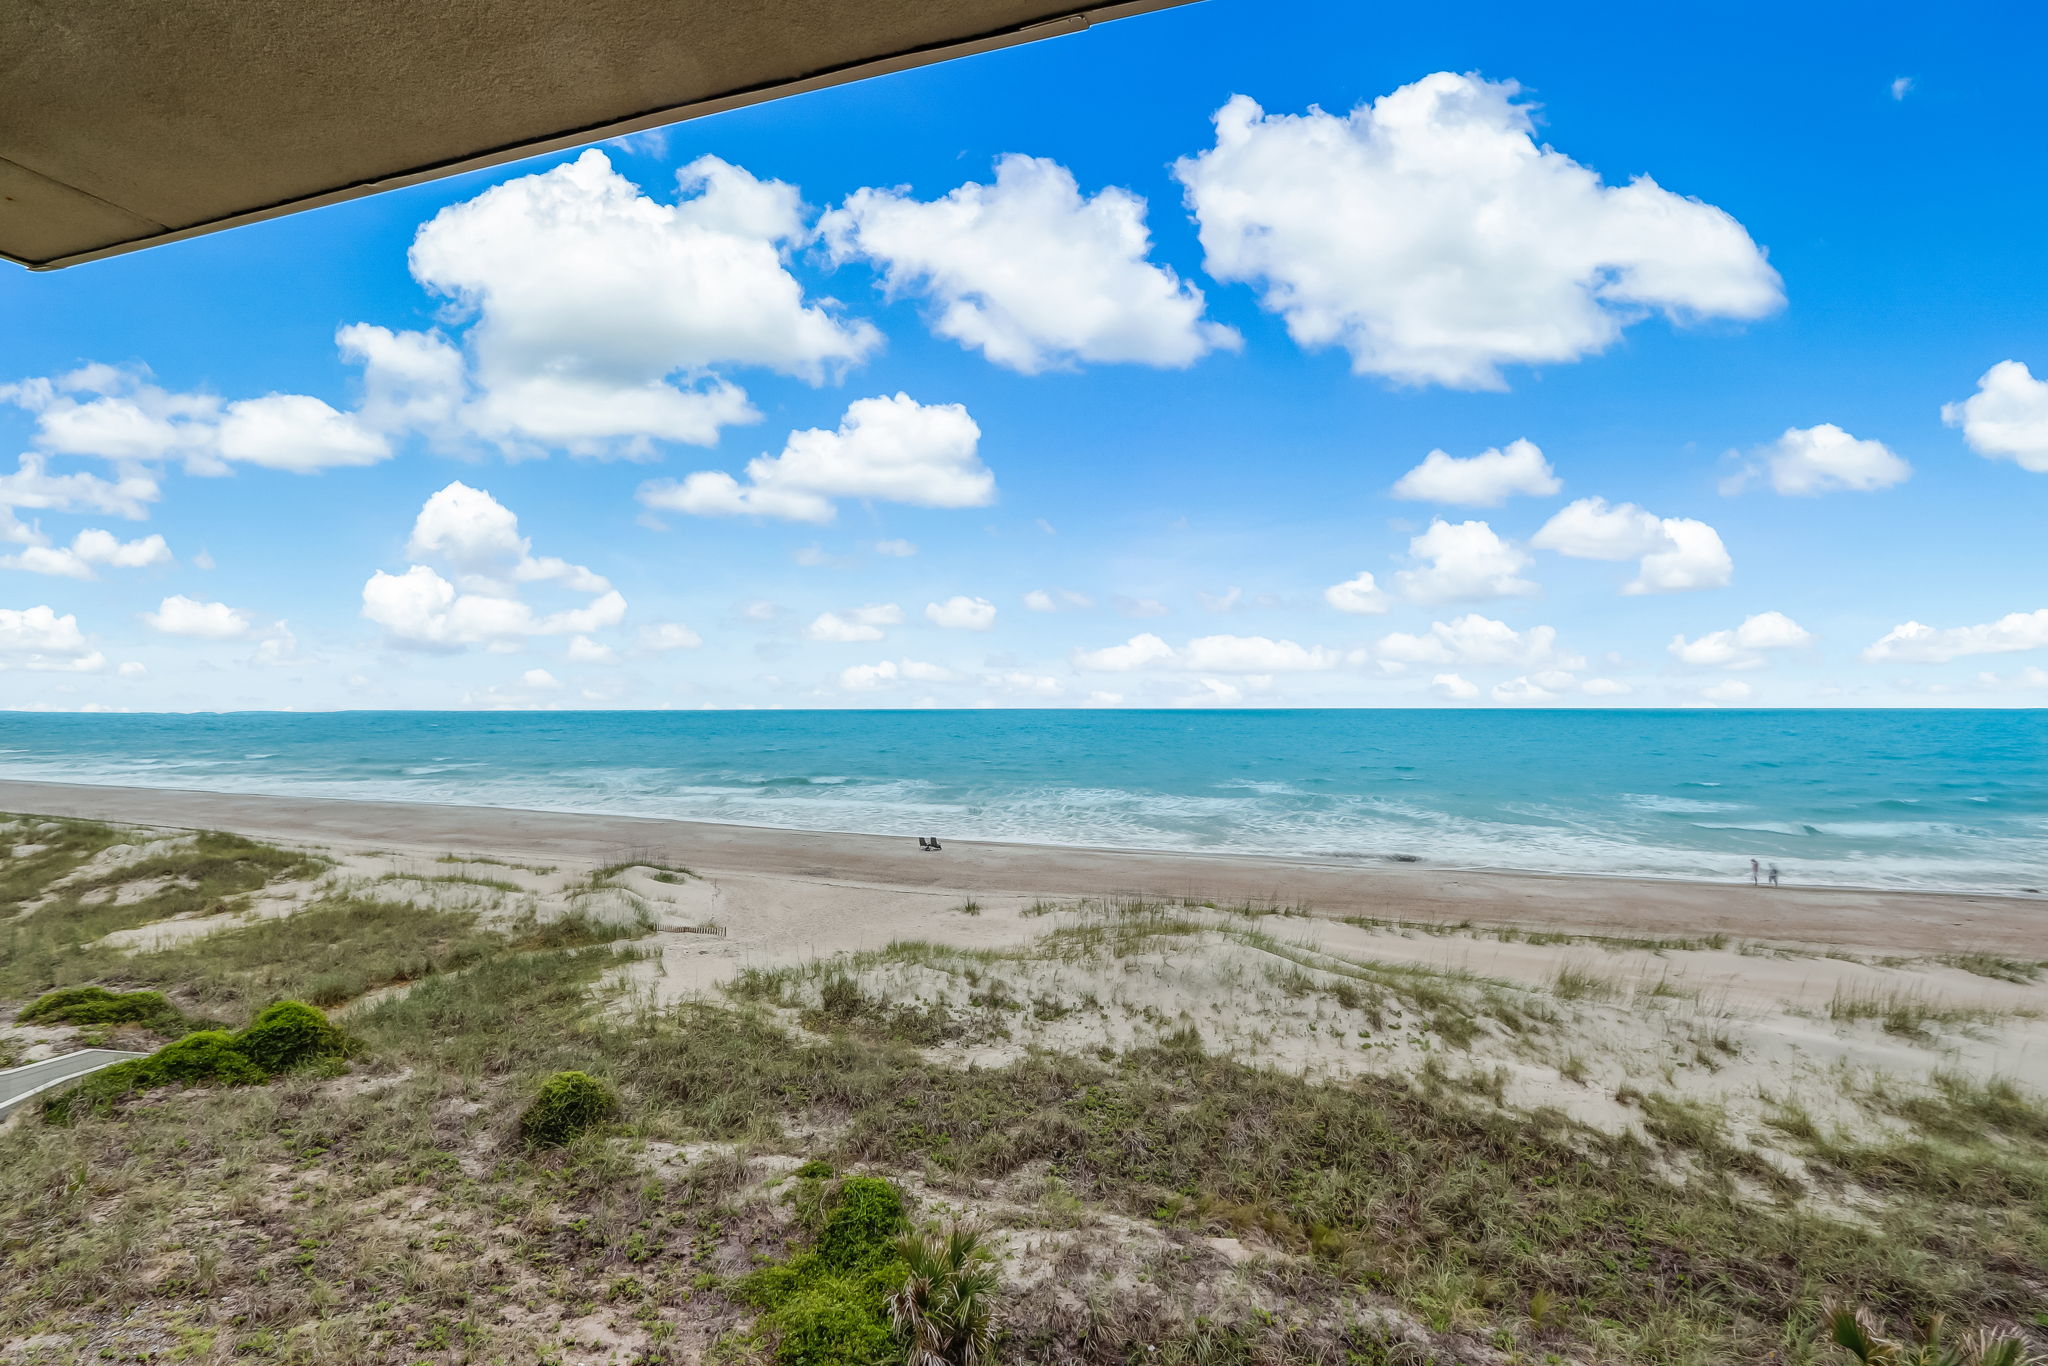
567, 1104
861, 1225
99, 1006
828, 1305
209, 1056
282, 1037
831, 1322
287, 1034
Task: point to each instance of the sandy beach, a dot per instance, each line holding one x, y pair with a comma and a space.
802, 861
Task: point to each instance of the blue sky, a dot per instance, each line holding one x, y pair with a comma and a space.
1746, 359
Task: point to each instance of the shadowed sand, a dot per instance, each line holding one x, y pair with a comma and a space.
1879, 921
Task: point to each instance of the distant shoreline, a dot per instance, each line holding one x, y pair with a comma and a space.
1881, 920
1362, 863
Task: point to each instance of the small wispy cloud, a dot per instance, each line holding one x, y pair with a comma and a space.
1901, 87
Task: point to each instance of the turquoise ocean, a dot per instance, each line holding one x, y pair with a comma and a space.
1921, 798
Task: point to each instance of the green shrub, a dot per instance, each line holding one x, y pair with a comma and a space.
283, 1036
211, 1055
98, 1006
828, 1306
832, 1322
861, 1225
566, 1105
289, 1033
208, 1057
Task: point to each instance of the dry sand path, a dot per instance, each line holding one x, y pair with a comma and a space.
1872, 921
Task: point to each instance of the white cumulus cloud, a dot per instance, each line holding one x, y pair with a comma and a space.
1526, 690
860, 624
1255, 655
179, 615
33, 486
1485, 480
1358, 595
2007, 418
117, 414
891, 672
1927, 644
90, 549
1476, 640
891, 449
960, 613
1675, 554
412, 381
294, 432
1222, 654
1744, 646
477, 539
39, 640
1464, 562
602, 314
1454, 687
1430, 235
1810, 460
1031, 272
1145, 651
1055, 600
1551, 685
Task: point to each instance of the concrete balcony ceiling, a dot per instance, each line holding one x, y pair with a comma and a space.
126, 123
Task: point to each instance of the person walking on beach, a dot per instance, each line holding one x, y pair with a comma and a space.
1773, 874
1755, 874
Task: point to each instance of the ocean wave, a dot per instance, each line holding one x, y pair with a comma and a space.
1648, 801
1589, 809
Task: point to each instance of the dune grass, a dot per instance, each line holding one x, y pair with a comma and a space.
1463, 1213
1908, 1014
209, 874
397, 1213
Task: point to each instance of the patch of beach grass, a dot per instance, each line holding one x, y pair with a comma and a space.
1510, 934
209, 874
495, 884
538, 869
1577, 983
36, 852
654, 869
1997, 966
1908, 1014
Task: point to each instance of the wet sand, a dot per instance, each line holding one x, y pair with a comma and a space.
1871, 921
